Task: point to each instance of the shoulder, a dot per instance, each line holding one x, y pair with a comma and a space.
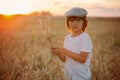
86, 43
67, 36
85, 37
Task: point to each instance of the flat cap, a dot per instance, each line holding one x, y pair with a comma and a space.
76, 11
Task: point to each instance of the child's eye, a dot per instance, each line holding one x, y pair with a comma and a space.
76, 19
71, 20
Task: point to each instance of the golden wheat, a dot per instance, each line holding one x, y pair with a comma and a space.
25, 51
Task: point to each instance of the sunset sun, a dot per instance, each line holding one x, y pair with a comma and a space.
10, 7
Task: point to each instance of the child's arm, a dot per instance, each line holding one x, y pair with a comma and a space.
62, 57
82, 57
56, 51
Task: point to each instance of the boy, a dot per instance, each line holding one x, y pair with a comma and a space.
76, 52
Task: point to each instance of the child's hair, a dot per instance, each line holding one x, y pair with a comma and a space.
77, 12
84, 19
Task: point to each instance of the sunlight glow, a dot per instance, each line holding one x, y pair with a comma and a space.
7, 17
58, 7
9, 7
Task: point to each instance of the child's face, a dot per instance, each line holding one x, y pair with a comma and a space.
75, 24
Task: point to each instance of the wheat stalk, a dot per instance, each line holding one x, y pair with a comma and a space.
46, 30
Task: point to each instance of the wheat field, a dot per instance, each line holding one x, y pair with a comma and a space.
25, 47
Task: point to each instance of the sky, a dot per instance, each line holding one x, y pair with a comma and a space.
59, 7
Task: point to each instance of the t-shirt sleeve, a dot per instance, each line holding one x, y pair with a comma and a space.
86, 45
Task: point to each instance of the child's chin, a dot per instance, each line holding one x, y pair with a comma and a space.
74, 30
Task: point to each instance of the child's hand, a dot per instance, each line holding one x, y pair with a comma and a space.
55, 50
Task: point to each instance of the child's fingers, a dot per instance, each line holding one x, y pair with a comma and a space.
53, 48
52, 51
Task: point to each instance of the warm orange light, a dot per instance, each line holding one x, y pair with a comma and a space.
7, 16
11, 22
11, 7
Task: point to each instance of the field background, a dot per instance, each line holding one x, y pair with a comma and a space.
25, 47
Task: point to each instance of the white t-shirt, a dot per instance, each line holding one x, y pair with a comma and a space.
75, 70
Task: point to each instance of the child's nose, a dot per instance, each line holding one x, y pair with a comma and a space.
74, 22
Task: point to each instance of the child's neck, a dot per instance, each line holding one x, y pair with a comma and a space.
76, 34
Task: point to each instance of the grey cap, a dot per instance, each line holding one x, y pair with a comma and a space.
76, 11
